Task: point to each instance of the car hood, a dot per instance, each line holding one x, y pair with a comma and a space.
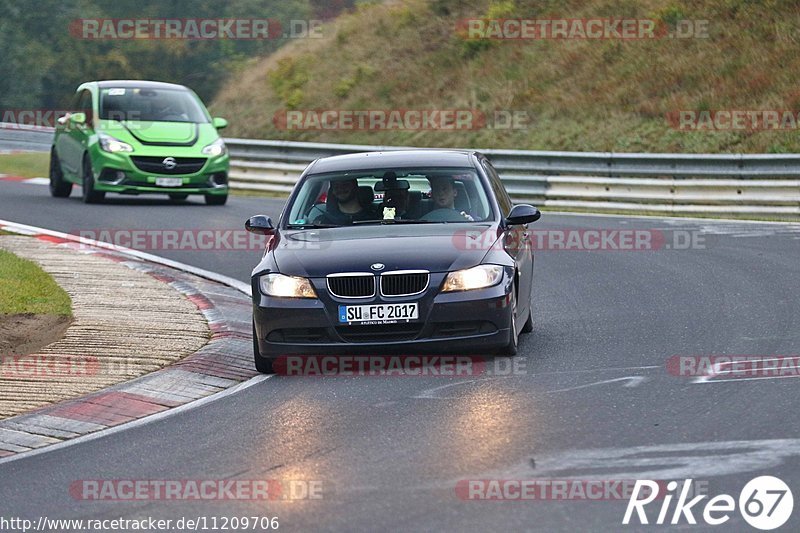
152, 132
435, 247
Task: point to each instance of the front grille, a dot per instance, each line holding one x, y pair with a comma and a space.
404, 283
380, 333
155, 165
352, 286
137, 183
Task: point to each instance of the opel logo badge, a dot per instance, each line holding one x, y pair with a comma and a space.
378, 266
169, 163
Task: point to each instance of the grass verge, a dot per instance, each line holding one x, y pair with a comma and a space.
26, 288
27, 165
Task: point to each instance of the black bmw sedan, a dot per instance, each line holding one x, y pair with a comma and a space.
417, 251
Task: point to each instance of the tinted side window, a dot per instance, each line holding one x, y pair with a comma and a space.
503, 200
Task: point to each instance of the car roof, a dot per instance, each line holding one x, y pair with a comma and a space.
144, 84
393, 159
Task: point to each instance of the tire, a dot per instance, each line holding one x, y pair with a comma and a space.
216, 199
263, 365
510, 349
59, 187
528, 327
90, 196
176, 197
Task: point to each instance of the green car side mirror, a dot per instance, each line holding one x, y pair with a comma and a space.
219, 122
78, 118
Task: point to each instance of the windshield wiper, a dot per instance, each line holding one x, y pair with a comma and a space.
311, 226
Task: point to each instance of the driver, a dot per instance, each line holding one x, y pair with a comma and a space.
444, 192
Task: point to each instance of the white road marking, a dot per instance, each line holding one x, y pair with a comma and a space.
662, 461
430, 394
632, 381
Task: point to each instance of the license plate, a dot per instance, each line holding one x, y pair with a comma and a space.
378, 313
169, 182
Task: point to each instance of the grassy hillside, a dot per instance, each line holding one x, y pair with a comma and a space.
579, 94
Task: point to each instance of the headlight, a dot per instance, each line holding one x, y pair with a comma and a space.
478, 277
110, 144
215, 148
286, 286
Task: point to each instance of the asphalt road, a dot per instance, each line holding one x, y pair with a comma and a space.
591, 397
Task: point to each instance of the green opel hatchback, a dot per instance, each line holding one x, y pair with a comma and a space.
139, 137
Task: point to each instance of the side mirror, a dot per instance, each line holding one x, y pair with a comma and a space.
219, 122
261, 224
522, 214
78, 118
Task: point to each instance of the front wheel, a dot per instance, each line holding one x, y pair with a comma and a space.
90, 196
59, 187
528, 327
263, 365
216, 199
513, 342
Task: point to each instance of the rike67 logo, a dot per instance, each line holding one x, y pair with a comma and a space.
765, 503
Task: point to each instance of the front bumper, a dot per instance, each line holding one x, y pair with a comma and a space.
469, 322
116, 172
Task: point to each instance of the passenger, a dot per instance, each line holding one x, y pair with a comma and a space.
344, 205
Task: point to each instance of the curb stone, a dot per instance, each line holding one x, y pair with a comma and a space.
223, 362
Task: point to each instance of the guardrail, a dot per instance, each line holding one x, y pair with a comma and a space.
746, 185
757, 185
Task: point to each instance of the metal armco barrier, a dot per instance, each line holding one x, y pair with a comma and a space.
743, 185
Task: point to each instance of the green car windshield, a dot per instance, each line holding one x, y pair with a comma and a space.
157, 105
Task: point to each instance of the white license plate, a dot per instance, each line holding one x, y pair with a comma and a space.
169, 182
378, 313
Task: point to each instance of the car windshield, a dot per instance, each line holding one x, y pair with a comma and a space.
390, 196
158, 105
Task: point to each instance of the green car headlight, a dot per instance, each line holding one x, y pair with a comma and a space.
478, 277
283, 286
110, 144
215, 148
